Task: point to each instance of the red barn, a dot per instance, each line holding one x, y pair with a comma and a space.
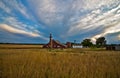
54, 44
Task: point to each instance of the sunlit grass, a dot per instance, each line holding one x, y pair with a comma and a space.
66, 63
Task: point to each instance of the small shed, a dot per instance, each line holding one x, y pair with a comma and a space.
117, 48
113, 47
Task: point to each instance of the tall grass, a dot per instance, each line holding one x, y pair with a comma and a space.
69, 63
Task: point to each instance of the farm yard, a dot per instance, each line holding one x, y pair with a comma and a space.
35, 62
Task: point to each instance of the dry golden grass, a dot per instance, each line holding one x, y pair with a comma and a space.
18, 46
67, 63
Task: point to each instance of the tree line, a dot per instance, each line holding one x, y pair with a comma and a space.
100, 42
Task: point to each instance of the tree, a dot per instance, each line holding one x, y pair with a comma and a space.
87, 43
101, 42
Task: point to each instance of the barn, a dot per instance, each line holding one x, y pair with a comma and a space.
54, 44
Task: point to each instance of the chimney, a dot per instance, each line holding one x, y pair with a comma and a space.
50, 40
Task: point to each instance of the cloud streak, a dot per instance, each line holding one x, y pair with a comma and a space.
17, 31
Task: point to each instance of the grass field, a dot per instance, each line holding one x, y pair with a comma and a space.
65, 63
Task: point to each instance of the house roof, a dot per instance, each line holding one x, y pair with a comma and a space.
55, 44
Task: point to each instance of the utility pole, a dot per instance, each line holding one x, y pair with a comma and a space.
74, 41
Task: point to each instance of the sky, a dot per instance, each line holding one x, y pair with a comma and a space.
31, 21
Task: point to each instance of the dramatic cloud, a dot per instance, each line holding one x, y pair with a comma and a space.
96, 19
66, 19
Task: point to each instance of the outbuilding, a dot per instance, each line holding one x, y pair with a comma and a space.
113, 47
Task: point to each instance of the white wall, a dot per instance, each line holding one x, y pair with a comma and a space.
77, 46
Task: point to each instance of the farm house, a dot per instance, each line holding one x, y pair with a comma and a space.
54, 44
